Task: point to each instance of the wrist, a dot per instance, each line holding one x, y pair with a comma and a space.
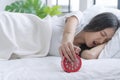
68, 37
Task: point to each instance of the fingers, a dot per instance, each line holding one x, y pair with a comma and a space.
71, 52
68, 51
65, 51
77, 49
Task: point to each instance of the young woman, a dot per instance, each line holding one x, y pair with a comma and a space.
21, 34
91, 39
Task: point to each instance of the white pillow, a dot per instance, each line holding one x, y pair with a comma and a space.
89, 13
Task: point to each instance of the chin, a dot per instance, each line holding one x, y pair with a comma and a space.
89, 45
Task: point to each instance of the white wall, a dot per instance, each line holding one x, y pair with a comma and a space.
84, 4
3, 3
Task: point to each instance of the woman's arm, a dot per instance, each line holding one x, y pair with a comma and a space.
92, 53
67, 47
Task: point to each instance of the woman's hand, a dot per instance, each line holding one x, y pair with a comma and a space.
69, 51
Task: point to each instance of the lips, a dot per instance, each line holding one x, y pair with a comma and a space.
94, 43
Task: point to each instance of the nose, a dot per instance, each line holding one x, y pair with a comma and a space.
99, 41
102, 40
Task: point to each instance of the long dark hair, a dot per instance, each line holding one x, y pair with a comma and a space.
101, 22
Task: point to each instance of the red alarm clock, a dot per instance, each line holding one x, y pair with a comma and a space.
71, 66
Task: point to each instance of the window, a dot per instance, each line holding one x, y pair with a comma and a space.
108, 3
67, 5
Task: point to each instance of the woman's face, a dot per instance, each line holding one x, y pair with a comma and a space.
93, 39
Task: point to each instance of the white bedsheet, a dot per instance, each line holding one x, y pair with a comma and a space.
49, 68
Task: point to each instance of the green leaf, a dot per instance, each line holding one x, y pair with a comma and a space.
33, 7
47, 10
7, 8
55, 10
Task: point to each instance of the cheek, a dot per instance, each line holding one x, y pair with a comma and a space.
90, 38
93, 37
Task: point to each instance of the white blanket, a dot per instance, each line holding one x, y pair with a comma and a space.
25, 35
49, 68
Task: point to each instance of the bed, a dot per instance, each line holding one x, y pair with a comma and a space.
49, 68
39, 66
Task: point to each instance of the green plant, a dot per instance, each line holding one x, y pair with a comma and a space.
34, 7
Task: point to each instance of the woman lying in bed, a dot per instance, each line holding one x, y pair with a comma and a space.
26, 35
91, 39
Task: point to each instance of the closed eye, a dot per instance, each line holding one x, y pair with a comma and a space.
103, 34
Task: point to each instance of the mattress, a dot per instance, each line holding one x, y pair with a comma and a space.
49, 68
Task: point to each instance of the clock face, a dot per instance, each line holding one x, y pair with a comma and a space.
71, 66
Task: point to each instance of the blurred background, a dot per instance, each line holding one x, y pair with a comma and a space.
71, 5
67, 6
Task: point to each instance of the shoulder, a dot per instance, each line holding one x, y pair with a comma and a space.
77, 14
